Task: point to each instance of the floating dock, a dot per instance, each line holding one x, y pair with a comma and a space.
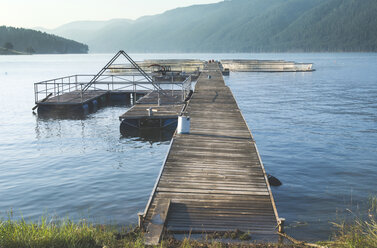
212, 179
249, 65
78, 102
154, 115
115, 84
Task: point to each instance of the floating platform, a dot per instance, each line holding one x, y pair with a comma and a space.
78, 103
247, 65
176, 67
114, 84
213, 179
153, 113
188, 66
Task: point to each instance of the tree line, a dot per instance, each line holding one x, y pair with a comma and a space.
31, 41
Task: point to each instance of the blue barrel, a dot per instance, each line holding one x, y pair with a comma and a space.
95, 105
85, 108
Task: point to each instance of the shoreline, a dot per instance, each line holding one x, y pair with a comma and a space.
58, 232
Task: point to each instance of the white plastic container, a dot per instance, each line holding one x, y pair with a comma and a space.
183, 124
150, 111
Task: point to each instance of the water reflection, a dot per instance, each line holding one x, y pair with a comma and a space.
151, 135
51, 127
62, 116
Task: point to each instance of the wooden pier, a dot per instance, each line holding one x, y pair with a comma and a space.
212, 179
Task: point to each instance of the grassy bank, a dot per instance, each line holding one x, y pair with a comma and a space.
65, 233
361, 232
51, 232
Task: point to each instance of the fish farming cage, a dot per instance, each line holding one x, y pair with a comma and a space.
109, 83
125, 77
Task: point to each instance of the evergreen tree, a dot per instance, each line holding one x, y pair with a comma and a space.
32, 41
8, 45
30, 50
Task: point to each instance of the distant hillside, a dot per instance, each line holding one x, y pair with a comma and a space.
82, 30
240, 26
19, 40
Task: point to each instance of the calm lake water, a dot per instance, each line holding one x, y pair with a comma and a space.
316, 132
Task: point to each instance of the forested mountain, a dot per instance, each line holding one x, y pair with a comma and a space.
81, 30
241, 26
16, 40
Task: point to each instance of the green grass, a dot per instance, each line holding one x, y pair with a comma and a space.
64, 233
52, 233
360, 232
60, 233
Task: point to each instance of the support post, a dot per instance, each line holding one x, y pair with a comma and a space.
281, 225
140, 220
58, 92
36, 93
134, 94
172, 85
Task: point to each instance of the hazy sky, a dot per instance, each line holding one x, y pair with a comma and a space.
53, 13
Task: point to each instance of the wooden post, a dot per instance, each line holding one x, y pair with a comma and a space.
281, 225
141, 220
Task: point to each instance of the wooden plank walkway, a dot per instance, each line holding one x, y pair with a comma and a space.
213, 178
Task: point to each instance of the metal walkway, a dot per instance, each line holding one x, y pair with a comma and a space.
213, 179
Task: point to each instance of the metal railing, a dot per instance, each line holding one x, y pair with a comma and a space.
186, 87
78, 84
135, 67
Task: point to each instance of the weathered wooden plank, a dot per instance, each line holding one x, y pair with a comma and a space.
156, 224
238, 199
220, 208
74, 97
198, 174
188, 183
210, 229
195, 185
213, 191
